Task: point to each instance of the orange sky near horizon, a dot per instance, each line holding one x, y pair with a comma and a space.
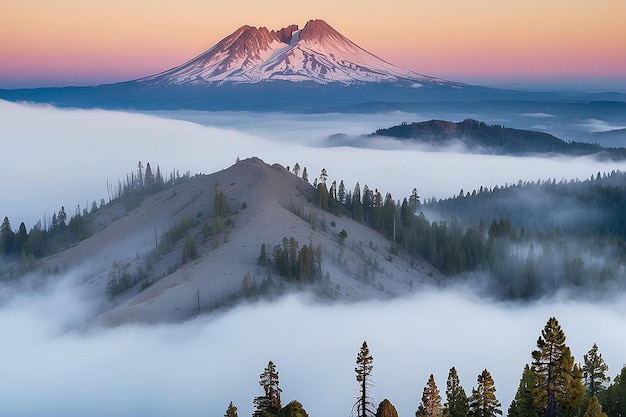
78, 42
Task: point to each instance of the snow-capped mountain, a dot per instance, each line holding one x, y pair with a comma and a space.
315, 53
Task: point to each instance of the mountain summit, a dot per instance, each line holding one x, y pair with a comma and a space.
315, 53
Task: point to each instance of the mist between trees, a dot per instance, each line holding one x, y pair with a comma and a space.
523, 241
551, 385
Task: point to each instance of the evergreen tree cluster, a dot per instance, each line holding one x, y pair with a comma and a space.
592, 207
119, 279
295, 263
27, 247
481, 403
529, 239
554, 385
24, 248
269, 404
551, 385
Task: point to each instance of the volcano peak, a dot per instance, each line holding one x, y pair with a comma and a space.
316, 53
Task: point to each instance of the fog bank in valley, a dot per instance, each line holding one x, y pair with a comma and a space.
64, 157
53, 366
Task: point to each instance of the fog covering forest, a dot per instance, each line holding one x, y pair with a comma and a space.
522, 241
542, 235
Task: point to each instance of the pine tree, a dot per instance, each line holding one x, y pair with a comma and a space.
558, 380
619, 390
483, 402
364, 403
220, 205
431, 400
270, 402
456, 404
414, 201
613, 399
54, 224
594, 371
20, 239
357, 204
368, 202
323, 176
594, 409
62, 217
231, 411
159, 183
323, 196
149, 181
386, 409
575, 398
35, 244
140, 182
522, 404
6, 237
341, 192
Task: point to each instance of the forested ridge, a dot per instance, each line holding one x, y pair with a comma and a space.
552, 384
495, 138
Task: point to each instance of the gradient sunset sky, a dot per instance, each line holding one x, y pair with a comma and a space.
533, 43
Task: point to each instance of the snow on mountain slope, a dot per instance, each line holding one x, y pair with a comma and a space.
316, 53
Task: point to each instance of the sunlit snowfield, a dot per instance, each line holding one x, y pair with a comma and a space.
58, 157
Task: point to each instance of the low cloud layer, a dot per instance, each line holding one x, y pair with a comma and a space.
197, 368
596, 125
65, 157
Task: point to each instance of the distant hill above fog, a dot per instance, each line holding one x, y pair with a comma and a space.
610, 138
482, 137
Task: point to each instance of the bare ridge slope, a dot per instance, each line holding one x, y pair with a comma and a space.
137, 269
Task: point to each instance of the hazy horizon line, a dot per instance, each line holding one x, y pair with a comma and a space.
537, 84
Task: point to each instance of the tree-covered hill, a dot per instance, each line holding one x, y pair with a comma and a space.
480, 136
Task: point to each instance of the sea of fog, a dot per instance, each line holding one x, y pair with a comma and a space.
52, 368
52, 365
